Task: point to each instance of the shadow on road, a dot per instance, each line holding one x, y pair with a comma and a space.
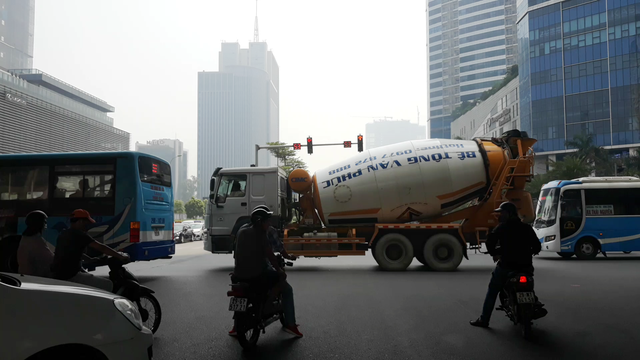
599, 258
270, 349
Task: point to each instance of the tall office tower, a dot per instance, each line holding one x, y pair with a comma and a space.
16, 34
471, 44
579, 62
238, 107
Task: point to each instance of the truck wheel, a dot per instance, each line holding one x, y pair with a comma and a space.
443, 252
586, 249
393, 252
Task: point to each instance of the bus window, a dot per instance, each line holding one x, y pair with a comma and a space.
570, 212
24, 183
83, 186
89, 186
154, 171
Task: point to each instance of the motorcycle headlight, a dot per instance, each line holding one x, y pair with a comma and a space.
130, 311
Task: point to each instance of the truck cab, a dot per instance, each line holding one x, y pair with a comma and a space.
234, 192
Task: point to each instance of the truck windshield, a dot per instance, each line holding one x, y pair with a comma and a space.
547, 210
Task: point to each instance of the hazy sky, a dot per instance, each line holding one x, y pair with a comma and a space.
340, 62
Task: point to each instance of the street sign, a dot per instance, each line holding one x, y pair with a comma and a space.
297, 146
347, 144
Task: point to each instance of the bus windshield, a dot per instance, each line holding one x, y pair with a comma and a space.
547, 209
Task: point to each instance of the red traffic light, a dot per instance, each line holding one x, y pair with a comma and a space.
359, 137
309, 140
347, 144
297, 146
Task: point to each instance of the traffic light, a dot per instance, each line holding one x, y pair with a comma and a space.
347, 144
360, 143
310, 145
297, 146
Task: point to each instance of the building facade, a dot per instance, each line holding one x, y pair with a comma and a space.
492, 117
238, 107
471, 45
16, 34
579, 62
171, 151
39, 113
387, 132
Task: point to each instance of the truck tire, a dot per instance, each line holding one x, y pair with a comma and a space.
443, 252
393, 252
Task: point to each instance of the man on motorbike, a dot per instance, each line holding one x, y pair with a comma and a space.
253, 256
512, 245
34, 256
72, 243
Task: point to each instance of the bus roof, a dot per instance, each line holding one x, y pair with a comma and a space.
591, 180
76, 155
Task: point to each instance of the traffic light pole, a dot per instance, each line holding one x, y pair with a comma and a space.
259, 147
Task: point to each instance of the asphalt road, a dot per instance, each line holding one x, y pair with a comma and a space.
348, 309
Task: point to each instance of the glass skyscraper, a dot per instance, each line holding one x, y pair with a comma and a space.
578, 68
471, 45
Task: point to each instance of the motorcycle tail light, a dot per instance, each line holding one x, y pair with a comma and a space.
234, 293
523, 279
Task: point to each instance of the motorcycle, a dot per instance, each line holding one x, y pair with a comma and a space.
127, 285
254, 310
520, 303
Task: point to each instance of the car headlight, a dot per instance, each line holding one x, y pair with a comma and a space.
130, 311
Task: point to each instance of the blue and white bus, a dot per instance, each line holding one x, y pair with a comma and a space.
589, 215
129, 194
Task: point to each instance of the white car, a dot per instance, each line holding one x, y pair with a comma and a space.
51, 319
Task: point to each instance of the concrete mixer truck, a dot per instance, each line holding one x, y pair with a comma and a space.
426, 199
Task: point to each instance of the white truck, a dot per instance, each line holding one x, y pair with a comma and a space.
425, 199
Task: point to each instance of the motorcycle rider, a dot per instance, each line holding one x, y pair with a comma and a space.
512, 245
253, 250
34, 256
72, 243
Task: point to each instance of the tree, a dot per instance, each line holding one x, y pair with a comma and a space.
287, 159
194, 208
178, 207
190, 188
596, 157
571, 167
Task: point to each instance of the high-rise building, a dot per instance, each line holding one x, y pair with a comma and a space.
16, 34
471, 45
579, 73
39, 113
238, 107
171, 151
387, 132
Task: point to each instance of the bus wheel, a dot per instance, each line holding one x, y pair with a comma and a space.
565, 255
586, 249
393, 252
443, 252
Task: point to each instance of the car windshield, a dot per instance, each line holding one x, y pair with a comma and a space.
547, 210
197, 226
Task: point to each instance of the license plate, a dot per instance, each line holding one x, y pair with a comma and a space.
526, 298
238, 304
156, 232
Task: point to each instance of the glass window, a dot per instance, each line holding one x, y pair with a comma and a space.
612, 202
547, 208
154, 171
24, 183
231, 186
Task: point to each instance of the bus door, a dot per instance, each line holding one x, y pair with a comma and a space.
571, 213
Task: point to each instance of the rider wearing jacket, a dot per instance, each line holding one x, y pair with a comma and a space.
512, 245
254, 254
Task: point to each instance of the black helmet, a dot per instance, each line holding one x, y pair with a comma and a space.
508, 207
260, 213
35, 218
35, 222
